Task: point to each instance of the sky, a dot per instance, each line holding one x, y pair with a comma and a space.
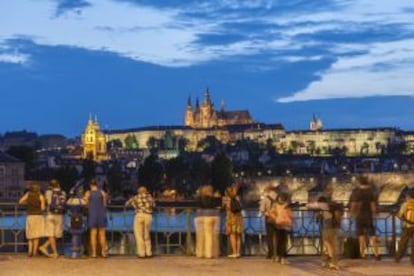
134, 63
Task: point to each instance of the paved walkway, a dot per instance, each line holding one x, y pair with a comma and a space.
19, 265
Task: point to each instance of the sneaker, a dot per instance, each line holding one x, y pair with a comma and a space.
283, 261
232, 256
325, 264
378, 258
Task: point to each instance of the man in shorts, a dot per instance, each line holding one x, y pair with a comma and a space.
54, 222
363, 206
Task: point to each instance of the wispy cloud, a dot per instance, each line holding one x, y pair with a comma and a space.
370, 42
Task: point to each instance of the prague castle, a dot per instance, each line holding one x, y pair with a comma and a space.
202, 121
205, 116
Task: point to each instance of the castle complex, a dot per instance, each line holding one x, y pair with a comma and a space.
205, 116
203, 120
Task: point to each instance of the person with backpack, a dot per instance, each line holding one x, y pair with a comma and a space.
281, 216
266, 203
364, 209
234, 220
54, 222
36, 204
406, 214
143, 204
95, 199
330, 215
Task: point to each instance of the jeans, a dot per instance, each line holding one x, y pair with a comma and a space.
281, 243
330, 242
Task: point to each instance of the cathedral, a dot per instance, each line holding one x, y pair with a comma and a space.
205, 116
94, 141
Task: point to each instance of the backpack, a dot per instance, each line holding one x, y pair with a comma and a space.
235, 206
337, 211
283, 218
409, 213
76, 221
57, 203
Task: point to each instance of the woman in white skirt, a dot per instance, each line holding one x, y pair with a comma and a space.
36, 204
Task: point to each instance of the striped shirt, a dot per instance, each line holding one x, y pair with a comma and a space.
142, 203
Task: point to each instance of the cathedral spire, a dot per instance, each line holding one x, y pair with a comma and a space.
207, 98
96, 118
197, 105
222, 106
189, 102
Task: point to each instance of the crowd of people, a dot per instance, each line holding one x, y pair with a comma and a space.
45, 219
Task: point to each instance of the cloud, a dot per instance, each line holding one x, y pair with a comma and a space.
382, 71
369, 41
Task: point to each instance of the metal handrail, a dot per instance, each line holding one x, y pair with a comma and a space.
173, 230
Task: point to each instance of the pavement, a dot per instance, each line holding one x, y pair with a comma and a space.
19, 265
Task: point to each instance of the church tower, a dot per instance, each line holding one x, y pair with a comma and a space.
315, 123
94, 141
207, 111
189, 114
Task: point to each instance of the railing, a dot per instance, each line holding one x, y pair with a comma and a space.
173, 231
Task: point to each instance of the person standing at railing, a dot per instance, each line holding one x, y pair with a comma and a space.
266, 202
207, 223
143, 204
330, 215
406, 214
56, 200
364, 209
234, 220
281, 216
96, 200
36, 204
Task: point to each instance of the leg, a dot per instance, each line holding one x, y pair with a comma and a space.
199, 224
92, 240
216, 236
35, 246
374, 244
233, 243
402, 245
52, 241
281, 237
102, 241
140, 234
30, 247
208, 236
270, 231
136, 234
147, 235
362, 245
238, 245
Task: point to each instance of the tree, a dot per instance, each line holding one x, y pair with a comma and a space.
151, 173
115, 177
25, 154
114, 144
67, 176
221, 172
88, 172
131, 142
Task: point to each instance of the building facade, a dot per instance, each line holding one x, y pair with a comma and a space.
12, 183
94, 141
203, 121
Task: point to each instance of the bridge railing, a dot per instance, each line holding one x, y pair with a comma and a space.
173, 231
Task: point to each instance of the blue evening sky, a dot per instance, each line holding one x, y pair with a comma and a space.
135, 62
